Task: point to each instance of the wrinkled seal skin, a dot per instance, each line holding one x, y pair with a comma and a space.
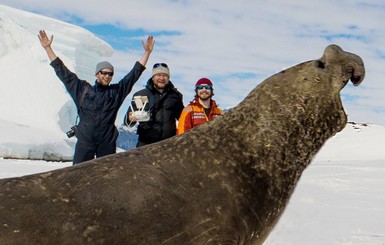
224, 182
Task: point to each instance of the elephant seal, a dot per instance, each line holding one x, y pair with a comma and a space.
224, 182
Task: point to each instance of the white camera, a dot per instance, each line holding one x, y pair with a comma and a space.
141, 115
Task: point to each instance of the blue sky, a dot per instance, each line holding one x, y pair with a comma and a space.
237, 44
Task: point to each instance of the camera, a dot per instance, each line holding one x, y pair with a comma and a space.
71, 132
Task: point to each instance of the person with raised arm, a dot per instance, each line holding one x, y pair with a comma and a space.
97, 104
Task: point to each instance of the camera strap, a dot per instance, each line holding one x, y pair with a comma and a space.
81, 102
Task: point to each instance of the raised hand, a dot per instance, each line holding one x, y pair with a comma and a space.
148, 47
44, 40
149, 44
46, 44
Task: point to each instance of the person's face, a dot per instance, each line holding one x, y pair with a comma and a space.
104, 76
160, 80
204, 91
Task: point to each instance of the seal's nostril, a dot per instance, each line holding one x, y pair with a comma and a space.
320, 64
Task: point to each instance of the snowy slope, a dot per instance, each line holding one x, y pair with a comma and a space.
340, 199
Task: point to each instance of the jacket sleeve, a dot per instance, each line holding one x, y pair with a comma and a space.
129, 80
218, 111
127, 121
184, 122
180, 106
73, 84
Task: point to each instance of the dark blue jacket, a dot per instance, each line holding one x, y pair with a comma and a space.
165, 109
100, 105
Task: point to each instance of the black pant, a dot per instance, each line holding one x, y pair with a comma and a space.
86, 152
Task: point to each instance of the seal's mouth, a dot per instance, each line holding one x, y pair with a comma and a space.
356, 80
356, 75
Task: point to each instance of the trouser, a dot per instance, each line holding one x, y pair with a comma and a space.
140, 143
86, 152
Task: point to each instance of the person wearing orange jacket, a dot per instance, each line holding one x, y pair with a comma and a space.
202, 109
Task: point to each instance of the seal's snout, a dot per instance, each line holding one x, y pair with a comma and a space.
356, 70
356, 80
352, 65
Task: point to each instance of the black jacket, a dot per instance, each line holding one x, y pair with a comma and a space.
165, 110
101, 103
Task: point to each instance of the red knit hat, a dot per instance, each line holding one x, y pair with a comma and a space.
204, 81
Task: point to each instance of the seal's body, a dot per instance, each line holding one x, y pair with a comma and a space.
224, 182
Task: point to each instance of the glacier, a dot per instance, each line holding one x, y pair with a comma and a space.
32, 98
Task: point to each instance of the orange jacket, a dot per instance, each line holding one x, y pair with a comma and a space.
194, 115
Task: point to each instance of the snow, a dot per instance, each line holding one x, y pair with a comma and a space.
341, 195
32, 98
340, 198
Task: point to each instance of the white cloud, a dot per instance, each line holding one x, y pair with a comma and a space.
216, 39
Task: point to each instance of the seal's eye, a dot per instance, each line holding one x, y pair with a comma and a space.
320, 64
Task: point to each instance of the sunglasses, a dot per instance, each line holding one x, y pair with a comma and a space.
200, 87
160, 64
105, 73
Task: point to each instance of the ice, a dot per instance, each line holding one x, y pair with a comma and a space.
31, 96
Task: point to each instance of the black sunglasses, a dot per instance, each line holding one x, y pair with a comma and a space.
105, 73
208, 87
160, 64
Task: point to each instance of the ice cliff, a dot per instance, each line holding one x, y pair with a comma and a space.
35, 109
